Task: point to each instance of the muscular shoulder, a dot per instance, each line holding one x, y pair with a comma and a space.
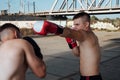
15, 42
89, 37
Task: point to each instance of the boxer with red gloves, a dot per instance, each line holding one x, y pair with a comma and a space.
88, 49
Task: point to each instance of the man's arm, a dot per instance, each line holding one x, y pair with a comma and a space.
70, 33
36, 65
73, 46
35, 47
76, 51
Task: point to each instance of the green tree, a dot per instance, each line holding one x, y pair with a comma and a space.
94, 19
107, 20
116, 22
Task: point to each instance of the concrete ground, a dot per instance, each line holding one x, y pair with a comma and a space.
63, 65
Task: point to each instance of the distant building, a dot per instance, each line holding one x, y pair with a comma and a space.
4, 12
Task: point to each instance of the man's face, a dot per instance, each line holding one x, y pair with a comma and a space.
79, 24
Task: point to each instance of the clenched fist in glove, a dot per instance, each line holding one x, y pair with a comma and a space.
44, 27
35, 47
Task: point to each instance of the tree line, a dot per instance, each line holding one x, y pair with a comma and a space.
115, 22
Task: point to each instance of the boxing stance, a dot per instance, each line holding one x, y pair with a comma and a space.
10, 35
17, 54
88, 49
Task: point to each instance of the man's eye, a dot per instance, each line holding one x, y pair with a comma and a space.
77, 24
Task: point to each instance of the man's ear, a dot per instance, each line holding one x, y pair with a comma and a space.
15, 33
87, 24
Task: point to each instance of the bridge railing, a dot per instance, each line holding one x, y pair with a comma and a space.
67, 7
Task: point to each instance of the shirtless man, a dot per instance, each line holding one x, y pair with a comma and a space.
88, 49
16, 55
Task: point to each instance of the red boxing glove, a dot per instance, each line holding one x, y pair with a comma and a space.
71, 43
44, 27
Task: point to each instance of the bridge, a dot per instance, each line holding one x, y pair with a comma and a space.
60, 9
71, 7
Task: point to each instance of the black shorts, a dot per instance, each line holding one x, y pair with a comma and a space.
96, 77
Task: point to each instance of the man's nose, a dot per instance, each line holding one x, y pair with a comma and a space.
73, 27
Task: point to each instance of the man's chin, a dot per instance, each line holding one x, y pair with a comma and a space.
78, 29
75, 29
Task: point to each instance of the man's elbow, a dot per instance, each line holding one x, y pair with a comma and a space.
42, 75
42, 72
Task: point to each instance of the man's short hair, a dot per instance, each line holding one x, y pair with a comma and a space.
82, 14
9, 26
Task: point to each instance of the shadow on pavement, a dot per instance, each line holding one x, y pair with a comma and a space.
110, 66
65, 66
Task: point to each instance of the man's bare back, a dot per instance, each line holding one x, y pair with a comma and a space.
15, 56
